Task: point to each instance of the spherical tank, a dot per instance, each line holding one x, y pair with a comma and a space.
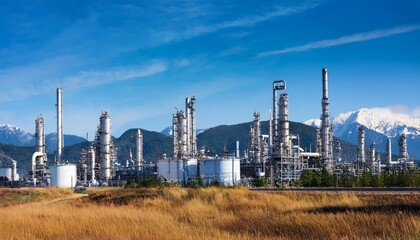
63, 176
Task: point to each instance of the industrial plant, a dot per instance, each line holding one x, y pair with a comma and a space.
276, 156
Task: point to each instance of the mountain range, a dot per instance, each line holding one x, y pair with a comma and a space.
380, 124
16, 136
168, 131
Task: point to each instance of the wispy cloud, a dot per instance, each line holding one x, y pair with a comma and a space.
240, 22
232, 51
26, 82
358, 37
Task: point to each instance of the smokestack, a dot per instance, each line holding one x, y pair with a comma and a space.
60, 141
324, 83
326, 142
92, 163
139, 148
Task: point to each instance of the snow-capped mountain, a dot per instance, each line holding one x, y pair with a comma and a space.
16, 136
380, 124
13, 135
169, 131
380, 120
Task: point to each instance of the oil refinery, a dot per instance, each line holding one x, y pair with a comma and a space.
276, 156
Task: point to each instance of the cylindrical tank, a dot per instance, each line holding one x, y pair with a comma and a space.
226, 171
168, 169
6, 172
63, 176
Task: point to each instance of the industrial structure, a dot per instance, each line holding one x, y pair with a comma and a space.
276, 157
40, 171
62, 174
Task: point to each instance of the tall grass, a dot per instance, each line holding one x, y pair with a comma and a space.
212, 213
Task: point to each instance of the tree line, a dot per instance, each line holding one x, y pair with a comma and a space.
312, 178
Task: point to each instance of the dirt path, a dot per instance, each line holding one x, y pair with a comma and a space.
66, 198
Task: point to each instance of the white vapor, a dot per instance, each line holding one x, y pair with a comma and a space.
358, 37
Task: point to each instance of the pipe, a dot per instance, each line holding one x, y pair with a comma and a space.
34, 156
193, 128
60, 142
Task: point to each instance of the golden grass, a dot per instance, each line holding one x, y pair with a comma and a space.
212, 213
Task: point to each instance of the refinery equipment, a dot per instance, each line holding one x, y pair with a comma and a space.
287, 158
184, 163
226, 170
40, 172
10, 172
62, 174
105, 150
139, 151
326, 138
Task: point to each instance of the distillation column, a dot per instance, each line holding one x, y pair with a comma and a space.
40, 154
255, 137
388, 152
139, 149
175, 135
403, 147
191, 126
284, 125
372, 153
361, 145
275, 141
105, 146
326, 154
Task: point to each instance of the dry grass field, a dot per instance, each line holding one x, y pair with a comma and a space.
210, 213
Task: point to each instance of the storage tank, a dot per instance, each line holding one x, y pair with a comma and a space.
6, 172
224, 170
168, 169
177, 170
63, 176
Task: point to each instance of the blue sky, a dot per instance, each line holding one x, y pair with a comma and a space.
140, 59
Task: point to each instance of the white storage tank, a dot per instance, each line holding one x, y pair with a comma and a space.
177, 170
168, 169
225, 170
63, 176
6, 172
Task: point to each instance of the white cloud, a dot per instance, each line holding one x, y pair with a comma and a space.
402, 109
25, 82
240, 22
358, 37
231, 51
183, 63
